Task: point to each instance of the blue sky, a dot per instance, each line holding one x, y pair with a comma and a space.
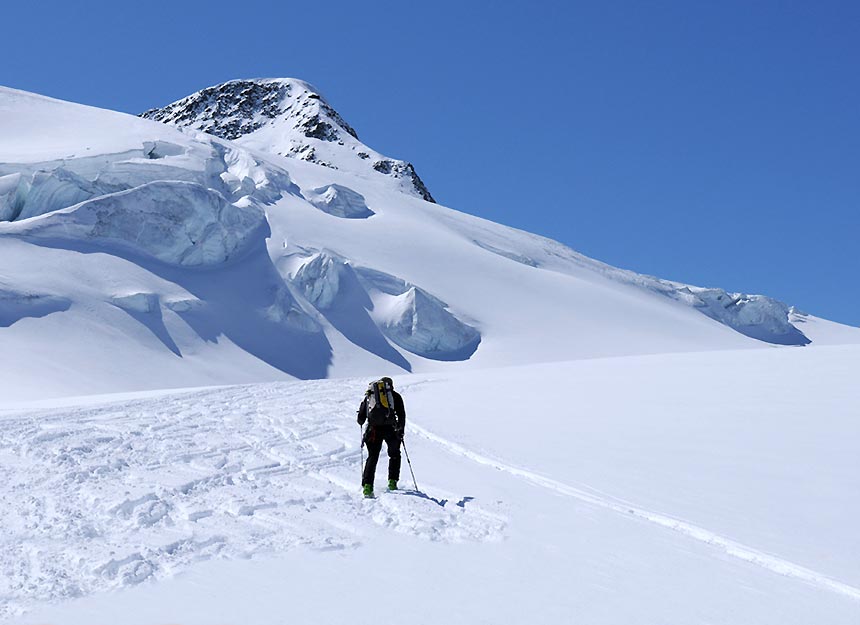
716, 143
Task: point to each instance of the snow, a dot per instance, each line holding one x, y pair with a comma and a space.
356, 275
591, 443
422, 325
340, 201
50, 191
755, 316
290, 118
37, 128
179, 223
16, 305
663, 504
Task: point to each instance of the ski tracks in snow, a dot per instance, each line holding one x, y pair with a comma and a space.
103, 497
596, 498
108, 496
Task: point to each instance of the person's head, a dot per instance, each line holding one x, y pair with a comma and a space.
389, 383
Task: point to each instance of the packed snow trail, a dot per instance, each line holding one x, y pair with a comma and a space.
106, 496
596, 498
94, 498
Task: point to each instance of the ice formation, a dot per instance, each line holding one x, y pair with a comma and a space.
340, 201
179, 223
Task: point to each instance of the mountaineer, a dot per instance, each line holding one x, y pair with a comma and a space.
382, 409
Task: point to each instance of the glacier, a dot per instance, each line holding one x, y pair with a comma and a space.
243, 244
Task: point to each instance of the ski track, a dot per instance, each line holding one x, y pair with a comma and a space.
101, 497
108, 496
601, 500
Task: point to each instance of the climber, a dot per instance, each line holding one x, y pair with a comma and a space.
382, 409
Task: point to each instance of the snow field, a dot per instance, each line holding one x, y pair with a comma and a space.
107, 497
615, 504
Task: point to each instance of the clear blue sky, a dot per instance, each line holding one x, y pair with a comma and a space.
716, 143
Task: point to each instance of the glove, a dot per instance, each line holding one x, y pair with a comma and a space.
400, 433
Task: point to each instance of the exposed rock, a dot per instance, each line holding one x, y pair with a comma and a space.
402, 169
287, 117
230, 110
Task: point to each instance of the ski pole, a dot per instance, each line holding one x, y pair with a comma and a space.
361, 429
414, 483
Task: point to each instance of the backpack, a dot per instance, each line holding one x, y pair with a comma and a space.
380, 403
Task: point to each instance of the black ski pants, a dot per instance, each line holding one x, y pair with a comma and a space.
373, 440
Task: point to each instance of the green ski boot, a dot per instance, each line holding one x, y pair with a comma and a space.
392, 484
367, 489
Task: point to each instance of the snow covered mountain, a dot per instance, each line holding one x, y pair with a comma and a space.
136, 255
288, 117
685, 462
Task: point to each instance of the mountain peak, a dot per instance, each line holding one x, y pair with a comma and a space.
284, 116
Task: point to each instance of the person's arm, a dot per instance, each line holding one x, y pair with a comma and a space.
362, 412
400, 412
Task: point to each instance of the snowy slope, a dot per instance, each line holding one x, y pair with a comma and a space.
137, 256
688, 488
657, 454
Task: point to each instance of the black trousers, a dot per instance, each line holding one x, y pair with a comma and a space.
373, 440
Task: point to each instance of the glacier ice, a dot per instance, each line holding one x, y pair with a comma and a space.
16, 305
179, 223
23, 196
318, 279
340, 201
137, 302
756, 316
13, 193
32, 189
417, 322
407, 315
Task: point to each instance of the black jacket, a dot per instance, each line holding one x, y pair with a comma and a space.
399, 411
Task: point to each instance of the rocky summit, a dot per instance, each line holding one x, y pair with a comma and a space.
288, 117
